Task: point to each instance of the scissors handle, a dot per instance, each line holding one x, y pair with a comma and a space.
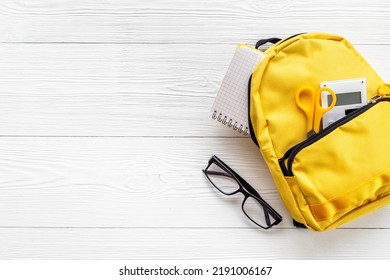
320, 111
305, 99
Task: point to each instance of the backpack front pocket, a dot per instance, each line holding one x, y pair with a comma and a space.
346, 166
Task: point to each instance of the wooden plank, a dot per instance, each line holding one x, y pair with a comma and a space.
179, 243
143, 75
119, 90
189, 21
131, 182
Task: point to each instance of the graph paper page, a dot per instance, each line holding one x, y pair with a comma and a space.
231, 103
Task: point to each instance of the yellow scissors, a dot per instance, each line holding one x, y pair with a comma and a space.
309, 100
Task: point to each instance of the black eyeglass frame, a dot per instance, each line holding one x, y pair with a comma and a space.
244, 188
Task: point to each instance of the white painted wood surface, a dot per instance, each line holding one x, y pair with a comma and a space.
105, 127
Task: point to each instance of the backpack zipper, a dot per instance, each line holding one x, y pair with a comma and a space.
292, 152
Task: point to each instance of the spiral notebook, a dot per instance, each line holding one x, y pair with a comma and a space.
230, 106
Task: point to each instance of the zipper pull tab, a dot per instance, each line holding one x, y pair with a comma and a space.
375, 98
383, 91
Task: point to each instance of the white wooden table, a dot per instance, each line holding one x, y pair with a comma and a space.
105, 127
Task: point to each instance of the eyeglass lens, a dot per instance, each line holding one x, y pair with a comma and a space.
253, 206
256, 212
221, 179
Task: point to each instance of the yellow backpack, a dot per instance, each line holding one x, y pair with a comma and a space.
343, 171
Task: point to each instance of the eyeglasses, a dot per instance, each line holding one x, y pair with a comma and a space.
228, 182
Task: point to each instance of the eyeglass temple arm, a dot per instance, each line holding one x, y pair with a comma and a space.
241, 180
210, 172
248, 187
268, 210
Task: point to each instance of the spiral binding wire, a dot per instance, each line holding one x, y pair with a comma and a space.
224, 120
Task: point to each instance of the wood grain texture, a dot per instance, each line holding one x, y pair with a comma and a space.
131, 182
105, 127
119, 90
171, 21
191, 243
